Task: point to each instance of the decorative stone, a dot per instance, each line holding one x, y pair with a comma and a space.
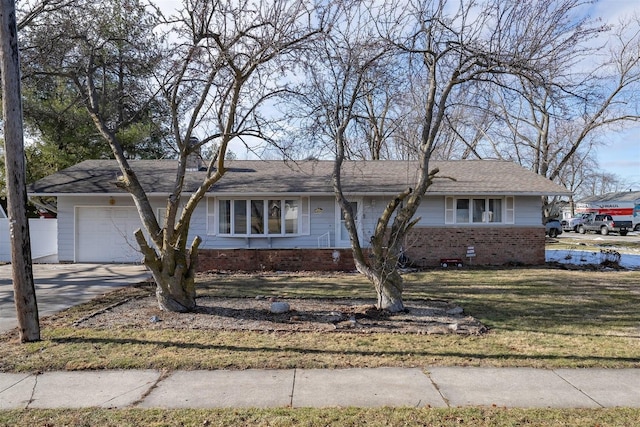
335, 317
279, 307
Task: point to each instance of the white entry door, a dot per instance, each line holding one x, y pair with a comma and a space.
342, 235
105, 234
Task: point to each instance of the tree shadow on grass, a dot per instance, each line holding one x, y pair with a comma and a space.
376, 352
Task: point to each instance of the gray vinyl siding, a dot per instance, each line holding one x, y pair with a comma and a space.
198, 225
431, 212
528, 211
322, 217
66, 229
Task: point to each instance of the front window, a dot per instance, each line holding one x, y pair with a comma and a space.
257, 217
239, 216
275, 216
479, 210
225, 217
462, 210
495, 210
291, 216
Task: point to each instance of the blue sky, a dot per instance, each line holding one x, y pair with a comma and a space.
621, 154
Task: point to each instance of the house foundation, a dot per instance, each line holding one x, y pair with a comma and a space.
425, 247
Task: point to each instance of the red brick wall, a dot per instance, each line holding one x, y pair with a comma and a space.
425, 247
275, 259
492, 246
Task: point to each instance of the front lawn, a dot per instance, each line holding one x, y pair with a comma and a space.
538, 317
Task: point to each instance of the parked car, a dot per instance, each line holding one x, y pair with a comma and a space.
572, 224
553, 228
605, 224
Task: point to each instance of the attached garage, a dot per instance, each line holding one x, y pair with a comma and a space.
105, 234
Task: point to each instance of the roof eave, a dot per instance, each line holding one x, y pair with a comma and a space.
317, 194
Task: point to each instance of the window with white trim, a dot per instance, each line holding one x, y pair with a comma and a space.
479, 210
258, 217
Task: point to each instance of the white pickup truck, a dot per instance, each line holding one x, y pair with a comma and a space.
572, 224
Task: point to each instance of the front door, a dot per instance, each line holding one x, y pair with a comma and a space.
342, 235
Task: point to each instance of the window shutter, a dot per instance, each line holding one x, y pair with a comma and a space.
211, 216
305, 226
449, 210
510, 216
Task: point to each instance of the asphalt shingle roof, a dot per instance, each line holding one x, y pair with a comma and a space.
309, 176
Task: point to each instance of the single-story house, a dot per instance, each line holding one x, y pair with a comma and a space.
283, 215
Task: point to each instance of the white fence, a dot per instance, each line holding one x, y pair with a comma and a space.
44, 238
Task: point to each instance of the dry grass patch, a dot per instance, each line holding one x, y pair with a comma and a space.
479, 417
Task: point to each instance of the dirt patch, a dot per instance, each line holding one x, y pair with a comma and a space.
304, 315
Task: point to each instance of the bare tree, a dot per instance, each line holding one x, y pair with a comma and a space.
221, 66
598, 182
447, 48
379, 112
30, 10
22, 272
551, 122
222, 78
339, 74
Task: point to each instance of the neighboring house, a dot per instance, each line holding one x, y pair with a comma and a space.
283, 215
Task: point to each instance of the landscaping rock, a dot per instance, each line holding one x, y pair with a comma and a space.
278, 307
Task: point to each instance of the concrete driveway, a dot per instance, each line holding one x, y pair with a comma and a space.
59, 286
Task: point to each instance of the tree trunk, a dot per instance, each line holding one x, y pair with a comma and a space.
389, 288
386, 280
174, 272
23, 286
175, 292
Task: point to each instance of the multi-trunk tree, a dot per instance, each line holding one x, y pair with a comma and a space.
219, 63
445, 48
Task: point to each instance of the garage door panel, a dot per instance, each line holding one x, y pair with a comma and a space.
105, 234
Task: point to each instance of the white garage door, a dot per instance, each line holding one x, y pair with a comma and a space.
105, 234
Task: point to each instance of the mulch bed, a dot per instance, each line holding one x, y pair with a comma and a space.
304, 315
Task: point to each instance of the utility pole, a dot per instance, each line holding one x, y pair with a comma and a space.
21, 263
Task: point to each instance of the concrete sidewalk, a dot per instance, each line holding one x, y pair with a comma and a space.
395, 387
